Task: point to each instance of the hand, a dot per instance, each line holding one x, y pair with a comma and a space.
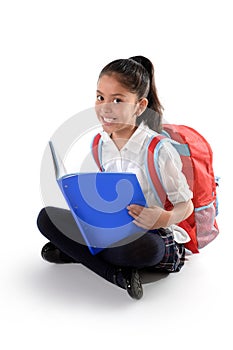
149, 218
156, 217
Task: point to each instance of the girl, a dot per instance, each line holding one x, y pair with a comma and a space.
129, 110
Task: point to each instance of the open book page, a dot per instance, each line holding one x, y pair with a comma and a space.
58, 163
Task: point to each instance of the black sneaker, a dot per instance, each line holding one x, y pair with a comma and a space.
129, 279
52, 254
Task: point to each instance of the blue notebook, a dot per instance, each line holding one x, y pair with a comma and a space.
98, 203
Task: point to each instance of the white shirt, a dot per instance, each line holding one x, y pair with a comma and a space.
131, 158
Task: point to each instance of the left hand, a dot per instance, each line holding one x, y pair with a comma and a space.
149, 218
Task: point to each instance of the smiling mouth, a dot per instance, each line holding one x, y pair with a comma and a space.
108, 120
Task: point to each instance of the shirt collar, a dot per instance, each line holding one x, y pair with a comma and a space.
136, 141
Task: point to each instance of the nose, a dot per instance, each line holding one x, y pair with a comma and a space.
106, 108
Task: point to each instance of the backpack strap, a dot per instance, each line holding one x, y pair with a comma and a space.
152, 169
152, 166
182, 148
96, 148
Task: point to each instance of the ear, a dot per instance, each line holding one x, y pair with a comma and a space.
142, 104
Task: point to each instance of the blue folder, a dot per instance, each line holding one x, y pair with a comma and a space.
98, 203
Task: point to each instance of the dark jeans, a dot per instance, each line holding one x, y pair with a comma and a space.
59, 227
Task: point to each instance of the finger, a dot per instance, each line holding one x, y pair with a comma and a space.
135, 216
135, 208
140, 224
143, 220
138, 210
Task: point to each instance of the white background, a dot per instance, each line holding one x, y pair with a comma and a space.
51, 55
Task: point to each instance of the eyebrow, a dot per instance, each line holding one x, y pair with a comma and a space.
118, 94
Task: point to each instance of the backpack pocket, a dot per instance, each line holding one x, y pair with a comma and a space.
206, 227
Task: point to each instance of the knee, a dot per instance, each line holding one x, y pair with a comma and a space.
42, 218
153, 248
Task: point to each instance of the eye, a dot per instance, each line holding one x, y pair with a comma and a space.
99, 98
117, 100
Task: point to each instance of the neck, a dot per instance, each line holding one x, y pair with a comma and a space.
121, 137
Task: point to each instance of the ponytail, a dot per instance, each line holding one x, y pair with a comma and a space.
153, 115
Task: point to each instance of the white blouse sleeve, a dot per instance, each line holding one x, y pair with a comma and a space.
173, 180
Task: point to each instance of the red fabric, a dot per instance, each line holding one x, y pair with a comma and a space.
190, 227
197, 168
198, 171
95, 150
152, 171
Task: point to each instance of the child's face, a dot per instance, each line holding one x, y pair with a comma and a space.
116, 107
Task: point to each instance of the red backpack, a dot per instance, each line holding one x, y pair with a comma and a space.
197, 160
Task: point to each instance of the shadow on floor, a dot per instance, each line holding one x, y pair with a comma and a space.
150, 276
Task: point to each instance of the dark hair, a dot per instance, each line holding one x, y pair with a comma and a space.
137, 75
